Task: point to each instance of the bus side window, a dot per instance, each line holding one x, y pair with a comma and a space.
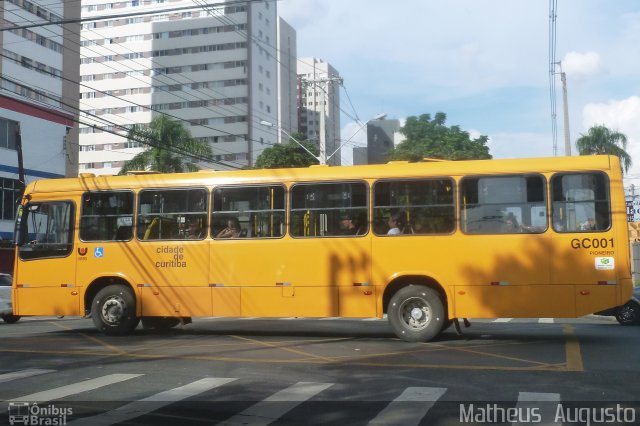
258, 211
428, 206
580, 202
163, 212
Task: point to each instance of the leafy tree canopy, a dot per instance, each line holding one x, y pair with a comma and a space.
172, 149
288, 154
602, 140
431, 138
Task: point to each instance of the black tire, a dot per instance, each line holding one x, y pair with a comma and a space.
10, 318
113, 310
628, 314
159, 323
416, 313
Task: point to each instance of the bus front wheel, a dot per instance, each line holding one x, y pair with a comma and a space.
114, 310
416, 313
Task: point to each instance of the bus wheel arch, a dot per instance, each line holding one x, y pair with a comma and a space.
113, 307
416, 308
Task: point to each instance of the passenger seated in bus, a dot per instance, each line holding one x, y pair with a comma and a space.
195, 231
588, 225
349, 225
511, 224
397, 222
232, 230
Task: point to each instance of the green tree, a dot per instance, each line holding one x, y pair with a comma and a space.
431, 138
602, 140
288, 154
172, 149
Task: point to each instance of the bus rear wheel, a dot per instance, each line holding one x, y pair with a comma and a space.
113, 310
416, 313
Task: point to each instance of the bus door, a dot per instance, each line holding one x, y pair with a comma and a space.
46, 265
171, 252
584, 243
329, 249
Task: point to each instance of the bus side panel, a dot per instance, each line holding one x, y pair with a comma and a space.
58, 301
288, 301
514, 301
176, 301
357, 301
225, 302
592, 298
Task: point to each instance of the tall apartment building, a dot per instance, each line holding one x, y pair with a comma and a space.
319, 106
213, 68
38, 96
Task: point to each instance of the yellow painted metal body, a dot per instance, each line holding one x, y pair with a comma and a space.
515, 275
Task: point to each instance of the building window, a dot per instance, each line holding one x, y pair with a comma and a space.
8, 129
10, 190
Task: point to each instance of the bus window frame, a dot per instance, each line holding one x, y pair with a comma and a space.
609, 210
546, 202
172, 188
72, 230
406, 179
252, 185
330, 182
133, 215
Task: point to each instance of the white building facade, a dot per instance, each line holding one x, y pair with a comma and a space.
214, 69
319, 106
38, 97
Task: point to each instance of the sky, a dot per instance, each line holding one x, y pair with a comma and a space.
485, 63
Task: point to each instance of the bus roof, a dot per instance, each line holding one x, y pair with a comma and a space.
314, 173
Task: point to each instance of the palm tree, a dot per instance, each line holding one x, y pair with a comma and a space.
601, 140
172, 149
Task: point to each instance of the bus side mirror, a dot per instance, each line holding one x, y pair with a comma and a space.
19, 234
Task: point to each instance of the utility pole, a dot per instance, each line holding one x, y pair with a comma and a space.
324, 85
21, 176
567, 137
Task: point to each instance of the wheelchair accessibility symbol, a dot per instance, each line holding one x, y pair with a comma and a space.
98, 252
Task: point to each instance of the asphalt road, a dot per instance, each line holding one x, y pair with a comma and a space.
331, 371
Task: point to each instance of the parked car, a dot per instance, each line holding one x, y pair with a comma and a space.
629, 313
6, 307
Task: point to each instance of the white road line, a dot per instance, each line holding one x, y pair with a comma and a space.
330, 318
76, 388
502, 319
152, 403
410, 407
545, 405
372, 319
265, 411
7, 377
545, 320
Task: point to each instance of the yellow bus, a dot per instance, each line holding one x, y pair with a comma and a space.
424, 243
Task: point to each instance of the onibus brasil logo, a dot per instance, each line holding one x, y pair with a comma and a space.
26, 413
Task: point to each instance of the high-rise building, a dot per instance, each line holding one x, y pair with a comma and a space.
319, 106
38, 96
382, 136
215, 69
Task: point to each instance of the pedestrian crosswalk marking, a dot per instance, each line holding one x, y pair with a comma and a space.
545, 320
7, 377
265, 412
76, 388
502, 319
530, 400
404, 411
152, 403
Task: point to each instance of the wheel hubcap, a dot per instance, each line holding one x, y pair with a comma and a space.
415, 313
113, 310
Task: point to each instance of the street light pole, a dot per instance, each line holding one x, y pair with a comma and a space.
269, 124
